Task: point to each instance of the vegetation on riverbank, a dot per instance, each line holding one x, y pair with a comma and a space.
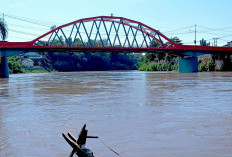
158, 67
15, 65
157, 62
54, 62
61, 61
76, 61
166, 62
215, 63
87, 61
205, 63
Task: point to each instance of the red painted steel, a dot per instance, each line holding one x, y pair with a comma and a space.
175, 48
109, 19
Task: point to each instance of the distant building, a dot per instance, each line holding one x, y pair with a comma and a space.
32, 55
229, 44
28, 62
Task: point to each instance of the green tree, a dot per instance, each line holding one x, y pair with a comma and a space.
204, 43
159, 61
78, 42
176, 40
155, 43
58, 42
15, 65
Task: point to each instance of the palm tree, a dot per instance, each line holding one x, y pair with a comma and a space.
3, 30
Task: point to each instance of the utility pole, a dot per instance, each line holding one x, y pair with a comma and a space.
215, 41
3, 20
195, 41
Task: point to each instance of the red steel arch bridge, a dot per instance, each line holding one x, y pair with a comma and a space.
108, 34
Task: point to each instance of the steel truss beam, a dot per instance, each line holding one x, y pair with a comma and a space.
78, 32
117, 36
98, 33
124, 27
108, 35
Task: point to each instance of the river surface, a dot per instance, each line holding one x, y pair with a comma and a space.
138, 114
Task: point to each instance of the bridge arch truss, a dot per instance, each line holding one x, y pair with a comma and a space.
105, 31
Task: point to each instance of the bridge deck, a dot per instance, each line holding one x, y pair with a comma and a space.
178, 50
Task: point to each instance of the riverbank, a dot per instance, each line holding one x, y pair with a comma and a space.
65, 62
206, 63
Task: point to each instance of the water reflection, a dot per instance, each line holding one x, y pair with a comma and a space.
137, 113
4, 94
4, 88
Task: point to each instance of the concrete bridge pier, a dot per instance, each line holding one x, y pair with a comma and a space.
4, 69
188, 64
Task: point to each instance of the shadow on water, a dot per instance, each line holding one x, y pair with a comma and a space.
4, 94
4, 88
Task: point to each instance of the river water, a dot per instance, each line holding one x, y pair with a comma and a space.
138, 114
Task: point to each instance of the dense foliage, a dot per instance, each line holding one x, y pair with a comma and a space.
15, 65
206, 65
216, 63
62, 61
159, 61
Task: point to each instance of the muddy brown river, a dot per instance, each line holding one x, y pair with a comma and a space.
138, 114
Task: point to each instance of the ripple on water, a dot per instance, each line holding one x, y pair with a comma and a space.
137, 113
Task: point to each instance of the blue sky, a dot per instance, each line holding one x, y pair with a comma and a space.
164, 15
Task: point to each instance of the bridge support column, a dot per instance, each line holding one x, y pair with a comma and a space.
4, 69
188, 65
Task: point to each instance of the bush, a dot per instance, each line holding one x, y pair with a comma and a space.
15, 65
201, 67
206, 65
156, 66
210, 65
